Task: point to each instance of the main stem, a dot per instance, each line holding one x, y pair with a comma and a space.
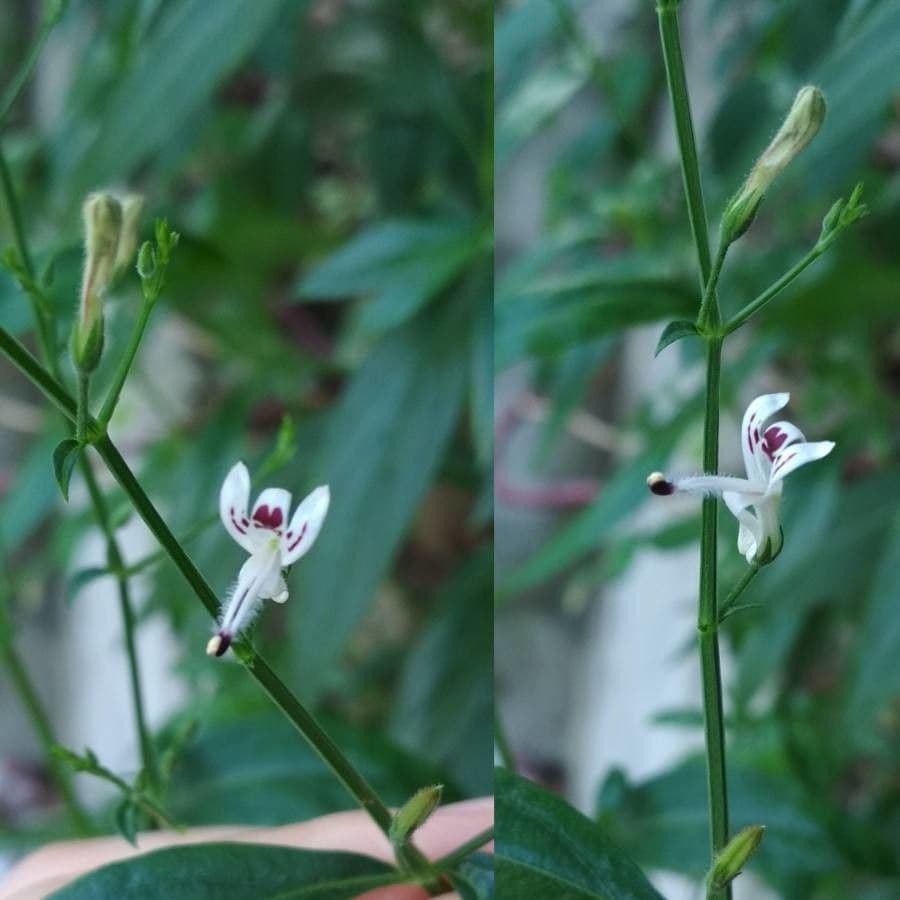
707, 620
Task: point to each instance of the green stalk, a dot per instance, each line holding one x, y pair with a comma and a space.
82, 411
707, 620
137, 333
667, 12
729, 604
40, 722
771, 292
115, 564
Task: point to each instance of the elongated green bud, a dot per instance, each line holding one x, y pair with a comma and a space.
733, 858
132, 208
102, 215
799, 128
414, 813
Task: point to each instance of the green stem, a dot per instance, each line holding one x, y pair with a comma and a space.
771, 292
40, 722
137, 333
667, 12
20, 79
709, 307
707, 620
502, 743
82, 410
115, 564
728, 605
463, 850
15, 215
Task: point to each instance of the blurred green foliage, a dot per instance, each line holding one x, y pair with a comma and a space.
328, 166
813, 729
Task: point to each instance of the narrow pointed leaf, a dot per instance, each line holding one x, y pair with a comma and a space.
64, 458
673, 332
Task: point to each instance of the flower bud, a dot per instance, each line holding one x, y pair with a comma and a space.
102, 215
799, 128
146, 261
414, 813
132, 207
733, 858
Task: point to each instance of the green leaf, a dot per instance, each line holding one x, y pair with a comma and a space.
177, 69
126, 819
237, 871
443, 707
400, 265
381, 449
675, 331
65, 456
545, 848
474, 877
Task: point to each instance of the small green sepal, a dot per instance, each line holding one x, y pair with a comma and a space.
413, 814
675, 331
729, 863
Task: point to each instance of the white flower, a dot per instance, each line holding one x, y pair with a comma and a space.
272, 542
771, 453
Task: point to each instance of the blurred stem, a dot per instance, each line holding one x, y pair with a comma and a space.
707, 619
82, 412
115, 564
754, 306
502, 744
137, 333
20, 79
736, 592
667, 11
40, 722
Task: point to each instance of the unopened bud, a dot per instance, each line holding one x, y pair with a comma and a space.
102, 215
801, 125
728, 864
414, 813
132, 208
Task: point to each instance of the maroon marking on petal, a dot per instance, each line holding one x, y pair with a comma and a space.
775, 438
756, 435
299, 537
784, 459
235, 522
268, 518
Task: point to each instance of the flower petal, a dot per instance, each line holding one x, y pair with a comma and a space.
750, 531
271, 510
233, 500
762, 409
305, 525
798, 455
718, 484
